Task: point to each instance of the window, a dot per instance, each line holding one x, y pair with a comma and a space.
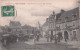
66, 19
9, 29
74, 34
51, 25
74, 16
65, 25
73, 23
51, 19
59, 20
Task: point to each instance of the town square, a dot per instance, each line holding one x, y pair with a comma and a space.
24, 26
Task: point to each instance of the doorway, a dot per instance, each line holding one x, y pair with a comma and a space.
74, 36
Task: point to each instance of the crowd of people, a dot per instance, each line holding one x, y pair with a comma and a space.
13, 38
59, 36
7, 39
50, 37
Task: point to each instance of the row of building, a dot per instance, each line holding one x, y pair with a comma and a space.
64, 21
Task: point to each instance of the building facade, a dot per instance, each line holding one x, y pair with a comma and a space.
15, 27
49, 25
65, 21
69, 21
27, 29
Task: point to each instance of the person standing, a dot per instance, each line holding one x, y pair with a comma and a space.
65, 36
51, 36
47, 36
38, 36
59, 36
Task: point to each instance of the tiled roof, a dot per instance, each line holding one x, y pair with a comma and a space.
26, 27
60, 17
69, 14
15, 22
59, 14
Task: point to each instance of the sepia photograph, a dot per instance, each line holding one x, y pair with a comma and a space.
39, 24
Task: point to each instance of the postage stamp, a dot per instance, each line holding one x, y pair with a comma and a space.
7, 11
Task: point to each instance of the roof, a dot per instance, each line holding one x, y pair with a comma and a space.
15, 23
27, 27
59, 14
60, 17
69, 14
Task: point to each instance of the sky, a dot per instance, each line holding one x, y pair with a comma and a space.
31, 11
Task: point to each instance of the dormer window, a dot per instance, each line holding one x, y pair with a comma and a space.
66, 19
58, 20
74, 16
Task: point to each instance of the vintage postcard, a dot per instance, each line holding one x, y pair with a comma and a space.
39, 24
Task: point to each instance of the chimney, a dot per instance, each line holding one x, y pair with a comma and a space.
62, 11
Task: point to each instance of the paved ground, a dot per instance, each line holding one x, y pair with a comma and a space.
41, 45
45, 46
2, 47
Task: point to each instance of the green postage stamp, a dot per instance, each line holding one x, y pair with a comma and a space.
7, 11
